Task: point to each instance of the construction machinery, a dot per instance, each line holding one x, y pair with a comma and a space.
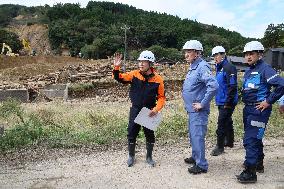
27, 47
9, 51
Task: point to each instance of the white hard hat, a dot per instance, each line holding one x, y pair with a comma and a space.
193, 44
253, 46
147, 55
218, 49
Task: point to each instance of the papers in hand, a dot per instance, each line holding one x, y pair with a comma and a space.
146, 121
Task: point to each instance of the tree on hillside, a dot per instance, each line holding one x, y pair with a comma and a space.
161, 52
10, 39
97, 28
274, 36
211, 40
63, 11
7, 12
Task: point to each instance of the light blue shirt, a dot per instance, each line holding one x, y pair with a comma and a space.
199, 86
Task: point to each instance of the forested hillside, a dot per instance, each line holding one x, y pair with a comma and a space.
97, 30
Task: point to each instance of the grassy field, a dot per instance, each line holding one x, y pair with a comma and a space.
60, 124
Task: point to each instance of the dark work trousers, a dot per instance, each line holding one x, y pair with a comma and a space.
133, 128
225, 125
255, 123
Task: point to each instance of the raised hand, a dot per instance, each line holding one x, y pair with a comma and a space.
117, 59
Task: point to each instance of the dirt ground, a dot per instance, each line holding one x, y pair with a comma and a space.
107, 169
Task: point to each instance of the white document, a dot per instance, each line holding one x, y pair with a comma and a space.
146, 121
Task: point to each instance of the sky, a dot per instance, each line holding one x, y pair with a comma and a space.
248, 17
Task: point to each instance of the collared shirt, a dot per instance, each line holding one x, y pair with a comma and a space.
199, 86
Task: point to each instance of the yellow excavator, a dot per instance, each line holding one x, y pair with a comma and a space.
9, 52
27, 46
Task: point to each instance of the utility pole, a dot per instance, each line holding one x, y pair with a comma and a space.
125, 28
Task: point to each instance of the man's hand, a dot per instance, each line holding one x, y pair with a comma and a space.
281, 109
262, 106
153, 113
196, 106
117, 59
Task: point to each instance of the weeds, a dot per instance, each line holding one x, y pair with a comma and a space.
65, 125
81, 87
22, 134
12, 107
60, 127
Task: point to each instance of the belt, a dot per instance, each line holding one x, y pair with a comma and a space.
252, 104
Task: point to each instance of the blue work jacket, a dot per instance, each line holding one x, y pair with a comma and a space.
257, 84
226, 75
199, 86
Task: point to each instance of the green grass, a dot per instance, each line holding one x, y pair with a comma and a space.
75, 124
58, 125
81, 87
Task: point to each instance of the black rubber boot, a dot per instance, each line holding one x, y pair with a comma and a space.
196, 170
260, 167
219, 148
189, 160
217, 151
225, 141
229, 140
131, 157
248, 175
149, 148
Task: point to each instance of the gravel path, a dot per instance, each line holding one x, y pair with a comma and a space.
107, 169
